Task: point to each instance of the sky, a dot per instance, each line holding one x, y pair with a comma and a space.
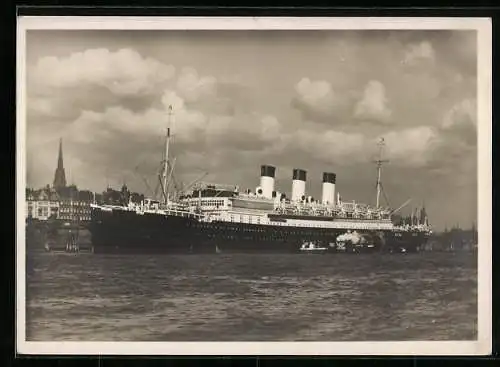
316, 100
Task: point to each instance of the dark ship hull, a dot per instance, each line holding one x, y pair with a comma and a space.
123, 231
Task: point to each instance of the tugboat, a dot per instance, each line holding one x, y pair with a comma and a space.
354, 242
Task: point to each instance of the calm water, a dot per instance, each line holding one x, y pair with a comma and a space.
251, 297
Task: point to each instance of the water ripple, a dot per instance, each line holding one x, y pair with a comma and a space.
252, 297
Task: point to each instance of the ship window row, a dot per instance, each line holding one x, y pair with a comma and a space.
81, 217
74, 203
213, 202
74, 210
58, 203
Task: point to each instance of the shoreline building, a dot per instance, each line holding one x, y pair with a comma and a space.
61, 201
42, 204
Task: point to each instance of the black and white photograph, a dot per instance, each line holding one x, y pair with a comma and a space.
289, 185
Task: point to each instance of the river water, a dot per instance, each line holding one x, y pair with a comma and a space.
426, 296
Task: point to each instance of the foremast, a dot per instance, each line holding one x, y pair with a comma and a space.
166, 161
379, 162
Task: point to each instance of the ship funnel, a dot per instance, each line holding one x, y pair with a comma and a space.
267, 180
298, 184
328, 196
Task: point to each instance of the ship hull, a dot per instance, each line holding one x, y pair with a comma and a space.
122, 231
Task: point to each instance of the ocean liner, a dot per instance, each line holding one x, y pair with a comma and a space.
213, 218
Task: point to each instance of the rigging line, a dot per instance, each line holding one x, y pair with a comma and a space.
162, 189
385, 196
148, 187
159, 173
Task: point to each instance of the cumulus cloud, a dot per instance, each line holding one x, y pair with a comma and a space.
41, 106
459, 123
218, 96
319, 102
316, 99
192, 87
374, 104
118, 132
461, 115
170, 98
124, 72
270, 128
415, 53
59, 88
331, 146
317, 94
413, 147
120, 124
90, 98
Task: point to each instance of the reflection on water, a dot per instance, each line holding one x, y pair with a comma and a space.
425, 296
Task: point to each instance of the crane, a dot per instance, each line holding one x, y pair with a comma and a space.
199, 178
401, 206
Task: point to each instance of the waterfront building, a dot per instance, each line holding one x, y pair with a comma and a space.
59, 201
75, 204
42, 204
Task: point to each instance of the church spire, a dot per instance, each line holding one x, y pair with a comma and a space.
60, 176
60, 158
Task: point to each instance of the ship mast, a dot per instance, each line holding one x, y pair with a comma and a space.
379, 161
166, 161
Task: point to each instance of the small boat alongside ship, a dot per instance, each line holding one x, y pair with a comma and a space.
313, 248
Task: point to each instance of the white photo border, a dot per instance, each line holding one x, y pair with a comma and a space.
482, 346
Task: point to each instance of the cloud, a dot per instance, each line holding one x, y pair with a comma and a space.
374, 104
124, 72
41, 106
462, 114
224, 96
317, 100
419, 52
59, 88
270, 128
113, 107
413, 147
331, 146
120, 124
459, 123
192, 87
117, 133
318, 94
